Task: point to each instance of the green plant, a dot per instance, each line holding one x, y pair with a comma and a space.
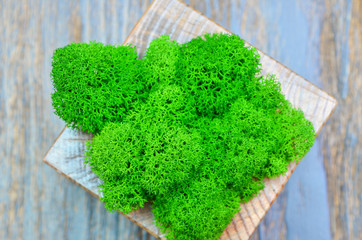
203, 131
198, 210
95, 84
160, 60
215, 70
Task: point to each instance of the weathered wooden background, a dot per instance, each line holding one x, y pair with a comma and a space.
319, 39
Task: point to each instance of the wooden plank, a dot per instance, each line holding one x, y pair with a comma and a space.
341, 50
183, 23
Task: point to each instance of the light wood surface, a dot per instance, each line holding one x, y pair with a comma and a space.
319, 39
182, 23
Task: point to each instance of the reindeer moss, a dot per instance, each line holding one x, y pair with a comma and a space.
199, 210
193, 128
216, 70
95, 84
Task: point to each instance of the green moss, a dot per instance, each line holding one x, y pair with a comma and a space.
200, 210
215, 70
160, 60
95, 84
193, 128
115, 157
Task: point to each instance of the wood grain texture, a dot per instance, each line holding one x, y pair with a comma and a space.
183, 23
341, 50
320, 39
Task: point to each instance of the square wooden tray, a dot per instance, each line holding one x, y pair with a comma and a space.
183, 23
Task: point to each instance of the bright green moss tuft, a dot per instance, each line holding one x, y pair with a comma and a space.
160, 60
95, 84
201, 210
115, 157
215, 71
193, 128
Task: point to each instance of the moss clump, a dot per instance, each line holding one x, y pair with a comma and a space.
160, 60
95, 84
200, 210
202, 131
215, 70
115, 158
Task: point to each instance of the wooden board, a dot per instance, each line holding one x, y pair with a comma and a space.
183, 23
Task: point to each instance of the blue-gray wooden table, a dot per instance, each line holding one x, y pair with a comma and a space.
319, 39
